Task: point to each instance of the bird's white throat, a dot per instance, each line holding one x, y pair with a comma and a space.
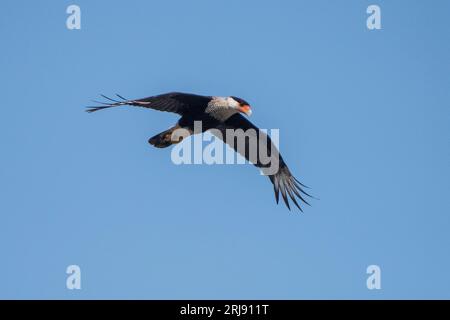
221, 108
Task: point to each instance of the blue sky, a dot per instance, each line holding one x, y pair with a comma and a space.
363, 118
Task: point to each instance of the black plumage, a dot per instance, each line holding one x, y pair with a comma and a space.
220, 114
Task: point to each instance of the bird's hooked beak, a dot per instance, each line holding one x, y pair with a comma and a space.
245, 109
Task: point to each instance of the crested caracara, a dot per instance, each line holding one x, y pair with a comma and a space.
220, 113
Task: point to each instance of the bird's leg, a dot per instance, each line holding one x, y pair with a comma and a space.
171, 136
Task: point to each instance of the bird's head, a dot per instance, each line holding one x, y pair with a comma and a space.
240, 105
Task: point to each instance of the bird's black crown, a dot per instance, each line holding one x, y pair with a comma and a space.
241, 101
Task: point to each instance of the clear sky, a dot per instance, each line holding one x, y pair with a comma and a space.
363, 118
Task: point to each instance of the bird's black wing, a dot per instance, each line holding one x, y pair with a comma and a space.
175, 102
282, 179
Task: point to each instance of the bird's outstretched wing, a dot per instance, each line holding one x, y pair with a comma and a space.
175, 102
282, 179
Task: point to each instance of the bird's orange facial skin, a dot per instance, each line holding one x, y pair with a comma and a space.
245, 109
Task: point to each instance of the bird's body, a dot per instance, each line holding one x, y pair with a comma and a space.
218, 114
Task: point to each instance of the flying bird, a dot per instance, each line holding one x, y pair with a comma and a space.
220, 113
